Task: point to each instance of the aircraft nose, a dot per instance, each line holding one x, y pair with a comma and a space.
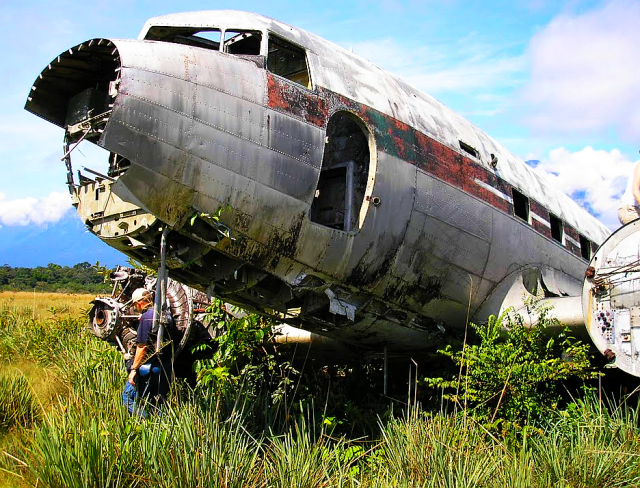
192, 122
77, 89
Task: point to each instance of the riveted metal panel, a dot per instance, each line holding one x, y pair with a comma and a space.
516, 244
159, 89
448, 204
140, 121
223, 72
304, 142
385, 225
314, 241
228, 113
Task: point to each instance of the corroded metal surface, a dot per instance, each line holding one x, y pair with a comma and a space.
611, 298
237, 160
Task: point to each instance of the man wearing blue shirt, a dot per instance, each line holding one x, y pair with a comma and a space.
150, 375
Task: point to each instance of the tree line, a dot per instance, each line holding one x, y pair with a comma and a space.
80, 278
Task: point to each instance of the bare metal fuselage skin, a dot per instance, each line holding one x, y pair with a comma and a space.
236, 160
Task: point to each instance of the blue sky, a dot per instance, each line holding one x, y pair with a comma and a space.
553, 81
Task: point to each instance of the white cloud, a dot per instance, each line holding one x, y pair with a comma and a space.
468, 63
585, 73
30, 210
596, 179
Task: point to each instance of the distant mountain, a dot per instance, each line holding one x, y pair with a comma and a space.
65, 242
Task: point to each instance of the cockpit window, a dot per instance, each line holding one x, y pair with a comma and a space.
236, 41
204, 38
288, 60
242, 42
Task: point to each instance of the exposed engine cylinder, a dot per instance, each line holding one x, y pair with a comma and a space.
104, 317
113, 318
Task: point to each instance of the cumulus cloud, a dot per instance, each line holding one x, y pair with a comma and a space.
595, 179
30, 210
585, 74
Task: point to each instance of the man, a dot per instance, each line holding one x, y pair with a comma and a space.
630, 203
149, 374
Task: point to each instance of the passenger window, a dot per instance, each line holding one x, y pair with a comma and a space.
242, 42
288, 60
469, 149
520, 205
556, 228
585, 247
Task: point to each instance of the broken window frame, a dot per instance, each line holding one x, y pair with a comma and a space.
556, 226
470, 150
521, 202
189, 36
185, 38
225, 43
585, 247
279, 39
331, 169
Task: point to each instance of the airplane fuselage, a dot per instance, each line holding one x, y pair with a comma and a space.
338, 198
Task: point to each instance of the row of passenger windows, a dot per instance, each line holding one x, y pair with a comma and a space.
521, 209
283, 58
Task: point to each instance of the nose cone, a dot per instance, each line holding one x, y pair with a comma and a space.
191, 128
76, 80
191, 133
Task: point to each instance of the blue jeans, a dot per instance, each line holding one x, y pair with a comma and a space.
129, 397
151, 387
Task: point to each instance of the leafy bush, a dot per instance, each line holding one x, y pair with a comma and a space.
240, 361
515, 372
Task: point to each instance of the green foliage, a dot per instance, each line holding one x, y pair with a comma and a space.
45, 341
18, 404
240, 357
80, 278
515, 372
139, 266
446, 449
214, 220
589, 445
86, 438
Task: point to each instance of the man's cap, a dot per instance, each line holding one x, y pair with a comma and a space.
140, 294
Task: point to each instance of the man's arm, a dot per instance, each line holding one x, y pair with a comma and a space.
635, 187
138, 360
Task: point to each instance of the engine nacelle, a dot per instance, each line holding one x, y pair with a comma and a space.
611, 298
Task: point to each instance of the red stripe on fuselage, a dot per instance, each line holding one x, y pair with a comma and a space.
405, 142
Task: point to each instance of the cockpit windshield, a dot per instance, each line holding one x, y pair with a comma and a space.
235, 41
282, 57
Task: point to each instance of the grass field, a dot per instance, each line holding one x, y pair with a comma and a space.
62, 424
43, 305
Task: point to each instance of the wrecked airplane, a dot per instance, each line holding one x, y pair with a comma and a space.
295, 179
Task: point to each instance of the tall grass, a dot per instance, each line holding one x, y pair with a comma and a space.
84, 436
43, 305
18, 404
592, 447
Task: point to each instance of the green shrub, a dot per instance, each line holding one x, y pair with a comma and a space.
515, 373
